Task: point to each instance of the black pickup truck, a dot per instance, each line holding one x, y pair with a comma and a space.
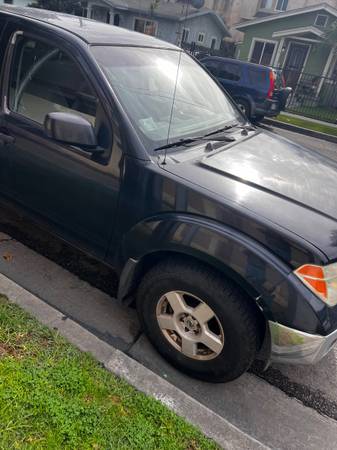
223, 235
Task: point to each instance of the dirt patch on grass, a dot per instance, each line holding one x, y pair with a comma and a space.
10, 350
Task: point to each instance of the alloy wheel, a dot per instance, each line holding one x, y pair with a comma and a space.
190, 325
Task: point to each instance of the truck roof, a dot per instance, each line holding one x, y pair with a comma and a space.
237, 61
88, 30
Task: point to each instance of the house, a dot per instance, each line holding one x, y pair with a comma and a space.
293, 40
235, 11
173, 22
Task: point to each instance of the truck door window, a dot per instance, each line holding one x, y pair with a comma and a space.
44, 79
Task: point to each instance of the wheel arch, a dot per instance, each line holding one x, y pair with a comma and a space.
149, 260
225, 250
246, 98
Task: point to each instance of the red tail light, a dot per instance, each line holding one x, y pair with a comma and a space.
271, 84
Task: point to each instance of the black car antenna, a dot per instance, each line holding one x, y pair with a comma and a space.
172, 107
175, 86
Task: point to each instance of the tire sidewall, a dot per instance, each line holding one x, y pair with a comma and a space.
234, 338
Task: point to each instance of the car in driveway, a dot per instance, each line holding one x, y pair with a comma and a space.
258, 90
224, 236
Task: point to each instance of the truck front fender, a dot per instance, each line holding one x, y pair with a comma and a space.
268, 280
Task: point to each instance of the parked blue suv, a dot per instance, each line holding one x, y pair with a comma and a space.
258, 90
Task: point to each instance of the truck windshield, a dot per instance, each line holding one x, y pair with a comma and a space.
165, 93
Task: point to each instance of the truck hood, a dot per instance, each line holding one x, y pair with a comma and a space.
278, 180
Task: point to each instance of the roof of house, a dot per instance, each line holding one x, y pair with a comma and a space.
293, 12
90, 31
167, 10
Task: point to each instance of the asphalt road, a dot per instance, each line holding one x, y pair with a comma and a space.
285, 407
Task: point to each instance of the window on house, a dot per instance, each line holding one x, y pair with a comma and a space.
213, 43
201, 38
100, 13
145, 26
266, 4
281, 5
262, 52
10, 2
184, 37
117, 20
321, 20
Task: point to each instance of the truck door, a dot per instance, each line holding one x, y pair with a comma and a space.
75, 192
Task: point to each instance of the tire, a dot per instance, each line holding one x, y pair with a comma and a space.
234, 332
257, 119
244, 106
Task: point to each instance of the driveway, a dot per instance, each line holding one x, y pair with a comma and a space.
286, 407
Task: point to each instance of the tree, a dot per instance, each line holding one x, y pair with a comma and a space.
67, 6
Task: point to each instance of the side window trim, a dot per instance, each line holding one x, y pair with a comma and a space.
59, 48
30, 74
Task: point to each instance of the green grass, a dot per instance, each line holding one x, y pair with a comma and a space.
52, 396
316, 112
307, 124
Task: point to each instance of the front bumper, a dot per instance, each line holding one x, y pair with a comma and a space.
296, 347
268, 108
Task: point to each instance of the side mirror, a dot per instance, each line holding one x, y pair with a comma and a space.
71, 129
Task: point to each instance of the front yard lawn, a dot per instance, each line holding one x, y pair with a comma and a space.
327, 114
303, 123
52, 396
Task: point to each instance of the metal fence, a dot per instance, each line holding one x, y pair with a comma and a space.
312, 96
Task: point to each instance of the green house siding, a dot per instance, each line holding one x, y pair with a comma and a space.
317, 59
318, 53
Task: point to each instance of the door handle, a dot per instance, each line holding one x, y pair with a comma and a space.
6, 139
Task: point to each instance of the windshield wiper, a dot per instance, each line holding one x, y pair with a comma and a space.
221, 130
210, 136
245, 128
195, 139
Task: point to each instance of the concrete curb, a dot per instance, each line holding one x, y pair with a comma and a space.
211, 424
305, 131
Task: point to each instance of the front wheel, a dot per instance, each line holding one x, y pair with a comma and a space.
257, 119
202, 324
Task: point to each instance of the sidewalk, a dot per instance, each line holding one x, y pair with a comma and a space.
226, 435
87, 316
